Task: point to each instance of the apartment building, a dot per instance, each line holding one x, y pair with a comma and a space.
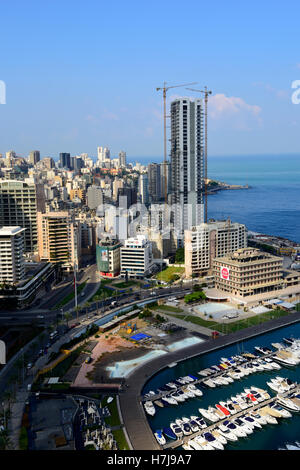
108, 257
12, 267
205, 242
136, 257
58, 239
19, 203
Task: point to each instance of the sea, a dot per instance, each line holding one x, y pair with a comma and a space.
284, 435
272, 204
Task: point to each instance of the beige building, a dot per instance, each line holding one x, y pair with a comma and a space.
19, 203
58, 239
248, 271
205, 242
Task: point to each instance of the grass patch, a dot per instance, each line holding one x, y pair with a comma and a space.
120, 439
62, 368
167, 274
23, 439
113, 419
124, 284
237, 325
167, 308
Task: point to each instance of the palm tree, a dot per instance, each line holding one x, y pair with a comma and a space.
68, 317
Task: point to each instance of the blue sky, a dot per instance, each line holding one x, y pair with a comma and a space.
82, 74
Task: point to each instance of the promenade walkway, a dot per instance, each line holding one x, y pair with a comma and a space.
135, 419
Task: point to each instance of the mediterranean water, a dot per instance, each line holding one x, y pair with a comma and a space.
271, 206
269, 437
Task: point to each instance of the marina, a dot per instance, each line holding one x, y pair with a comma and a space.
256, 378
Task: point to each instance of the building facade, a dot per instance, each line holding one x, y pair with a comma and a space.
247, 272
136, 257
19, 203
12, 268
205, 242
187, 163
108, 257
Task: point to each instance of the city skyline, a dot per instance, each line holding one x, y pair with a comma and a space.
79, 86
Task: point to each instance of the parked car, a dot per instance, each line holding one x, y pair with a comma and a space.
88, 360
29, 365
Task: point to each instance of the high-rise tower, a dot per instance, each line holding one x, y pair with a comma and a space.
187, 163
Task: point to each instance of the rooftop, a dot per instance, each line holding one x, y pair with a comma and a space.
11, 230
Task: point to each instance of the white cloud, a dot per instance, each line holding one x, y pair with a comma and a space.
221, 106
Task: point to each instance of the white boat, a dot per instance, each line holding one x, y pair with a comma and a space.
270, 419
250, 421
240, 401
172, 385
213, 441
272, 363
195, 390
209, 383
227, 433
177, 397
203, 443
176, 429
170, 400
228, 378
160, 438
189, 393
200, 421
235, 429
284, 413
187, 447
229, 406
287, 403
217, 435
194, 425
245, 427
149, 408
194, 444
210, 416
258, 417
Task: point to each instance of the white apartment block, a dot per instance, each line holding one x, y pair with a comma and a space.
205, 242
12, 267
136, 257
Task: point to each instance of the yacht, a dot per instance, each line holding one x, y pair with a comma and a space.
194, 444
285, 361
213, 441
240, 401
262, 349
229, 406
200, 421
208, 415
209, 383
177, 397
250, 421
176, 429
195, 390
149, 408
187, 447
246, 427
270, 419
266, 365
217, 412
225, 412
272, 363
258, 417
203, 443
171, 385
284, 413
235, 429
194, 425
169, 433
169, 400
220, 437
259, 366
159, 437
228, 378
159, 403
188, 392
287, 403
227, 433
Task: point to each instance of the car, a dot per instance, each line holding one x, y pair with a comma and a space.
29, 365
40, 316
82, 294
41, 352
88, 360
48, 345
